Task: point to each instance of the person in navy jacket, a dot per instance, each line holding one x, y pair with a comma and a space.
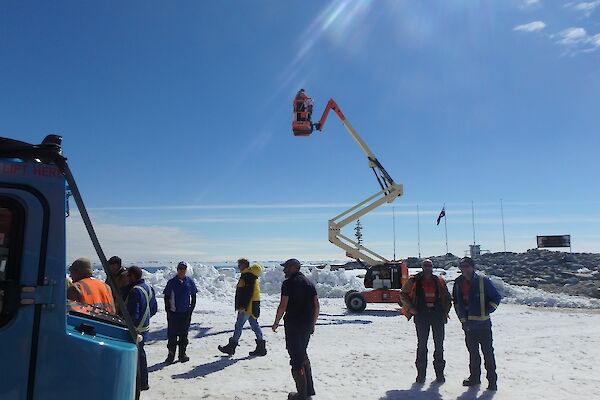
180, 301
475, 298
141, 304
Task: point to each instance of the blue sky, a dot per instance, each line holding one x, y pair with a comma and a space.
176, 120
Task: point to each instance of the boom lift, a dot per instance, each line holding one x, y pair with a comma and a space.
383, 275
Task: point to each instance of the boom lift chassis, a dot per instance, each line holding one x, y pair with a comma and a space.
383, 275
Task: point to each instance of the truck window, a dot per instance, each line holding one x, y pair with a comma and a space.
11, 223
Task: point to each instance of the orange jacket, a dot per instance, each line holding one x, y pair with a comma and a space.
94, 292
408, 297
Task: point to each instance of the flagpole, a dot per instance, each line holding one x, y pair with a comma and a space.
473, 219
446, 229
503, 234
394, 229
418, 232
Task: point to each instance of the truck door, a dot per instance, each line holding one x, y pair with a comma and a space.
23, 229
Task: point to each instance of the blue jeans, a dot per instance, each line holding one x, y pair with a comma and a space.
242, 317
424, 322
474, 340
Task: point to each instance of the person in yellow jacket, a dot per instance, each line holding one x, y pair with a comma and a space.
247, 305
426, 297
88, 290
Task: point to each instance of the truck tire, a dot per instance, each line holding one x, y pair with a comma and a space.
348, 293
356, 302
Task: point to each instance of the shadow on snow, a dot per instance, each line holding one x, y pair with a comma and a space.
209, 368
416, 392
197, 331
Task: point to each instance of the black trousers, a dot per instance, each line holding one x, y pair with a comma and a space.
142, 364
141, 378
178, 326
474, 340
424, 322
296, 342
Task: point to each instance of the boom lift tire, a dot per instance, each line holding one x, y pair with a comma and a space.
348, 293
356, 302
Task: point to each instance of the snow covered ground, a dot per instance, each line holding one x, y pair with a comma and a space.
545, 353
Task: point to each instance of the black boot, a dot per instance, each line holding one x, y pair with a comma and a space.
300, 379
310, 387
492, 385
260, 349
439, 366
229, 348
171, 356
420, 377
439, 375
471, 381
182, 356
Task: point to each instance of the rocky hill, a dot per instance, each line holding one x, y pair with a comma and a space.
553, 271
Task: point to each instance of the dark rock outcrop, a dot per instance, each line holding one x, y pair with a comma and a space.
553, 271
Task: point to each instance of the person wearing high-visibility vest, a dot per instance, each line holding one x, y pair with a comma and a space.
141, 305
426, 297
88, 290
475, 297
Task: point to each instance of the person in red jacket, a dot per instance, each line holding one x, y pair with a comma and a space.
426, 297
303, 103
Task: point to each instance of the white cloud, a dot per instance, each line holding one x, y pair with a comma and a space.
222, 207
577, 40
534, 26
572, 36
133, 242
166, 243
595, 40
586, 7
530, 3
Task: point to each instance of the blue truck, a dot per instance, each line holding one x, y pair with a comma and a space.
49, 349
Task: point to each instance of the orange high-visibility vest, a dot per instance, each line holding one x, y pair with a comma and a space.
96, 293
429, 290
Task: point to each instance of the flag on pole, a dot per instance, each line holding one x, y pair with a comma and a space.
442, 215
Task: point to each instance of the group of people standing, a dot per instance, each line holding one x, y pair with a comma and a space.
299, 308
138, 297
426, 299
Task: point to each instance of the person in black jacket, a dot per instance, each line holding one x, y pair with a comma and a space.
300, 304
247, 305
